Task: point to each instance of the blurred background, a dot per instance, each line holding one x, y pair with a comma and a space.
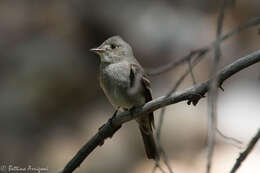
51, 102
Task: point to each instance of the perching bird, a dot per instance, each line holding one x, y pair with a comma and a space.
125, 84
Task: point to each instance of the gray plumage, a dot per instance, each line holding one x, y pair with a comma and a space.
124, 83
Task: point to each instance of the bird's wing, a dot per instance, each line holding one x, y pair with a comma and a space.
137, 74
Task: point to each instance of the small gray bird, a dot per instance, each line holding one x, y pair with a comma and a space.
124, 83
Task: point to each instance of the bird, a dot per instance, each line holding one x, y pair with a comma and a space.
126, 85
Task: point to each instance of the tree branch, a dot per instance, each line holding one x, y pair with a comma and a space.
192, 95
244, 155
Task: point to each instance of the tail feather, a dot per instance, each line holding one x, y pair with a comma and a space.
146, 125
149, 145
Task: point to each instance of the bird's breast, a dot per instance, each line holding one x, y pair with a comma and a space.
116, 75
115, 81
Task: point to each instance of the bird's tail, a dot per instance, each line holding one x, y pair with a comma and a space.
145, 127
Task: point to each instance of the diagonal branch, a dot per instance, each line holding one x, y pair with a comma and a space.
244, 154
192, 95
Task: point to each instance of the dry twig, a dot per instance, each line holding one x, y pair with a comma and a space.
213, 93
170, 66
162, 113
244, 154
236, 141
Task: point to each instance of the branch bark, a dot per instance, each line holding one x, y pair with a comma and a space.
244, 154
192, 95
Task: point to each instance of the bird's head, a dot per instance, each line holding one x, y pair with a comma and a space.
113, 49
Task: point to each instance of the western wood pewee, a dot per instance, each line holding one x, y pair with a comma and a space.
125, 84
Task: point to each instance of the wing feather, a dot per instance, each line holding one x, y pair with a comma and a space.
137, 74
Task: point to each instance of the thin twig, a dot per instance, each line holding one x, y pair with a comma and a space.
165, 160
161, 169
158, 139
191, 73
170, 66
162, 113
192, 95
213, 93
180, 61
244, 154
236, 141
157, 165
177, 84
159, 128
185, 74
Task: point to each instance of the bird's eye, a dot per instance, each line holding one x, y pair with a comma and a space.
113, 46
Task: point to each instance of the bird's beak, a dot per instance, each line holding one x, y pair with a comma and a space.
97, 50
